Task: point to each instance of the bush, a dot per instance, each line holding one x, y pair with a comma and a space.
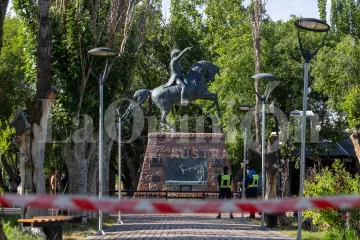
349, 234
12, 229
333, 181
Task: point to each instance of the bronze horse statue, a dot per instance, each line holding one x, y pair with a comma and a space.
200, 75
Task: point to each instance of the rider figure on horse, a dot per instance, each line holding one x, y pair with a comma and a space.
176, 73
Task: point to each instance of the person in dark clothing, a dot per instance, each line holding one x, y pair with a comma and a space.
64, 187
64, 183
251, 185
224, 182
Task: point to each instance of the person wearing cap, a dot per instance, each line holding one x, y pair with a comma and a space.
251, 185
224, 181
176, 73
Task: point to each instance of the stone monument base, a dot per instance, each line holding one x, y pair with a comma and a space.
182, 162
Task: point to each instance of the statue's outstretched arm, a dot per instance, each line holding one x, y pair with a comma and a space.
182, 53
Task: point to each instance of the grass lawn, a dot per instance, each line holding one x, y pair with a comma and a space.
70, 231
292, 230
80, 231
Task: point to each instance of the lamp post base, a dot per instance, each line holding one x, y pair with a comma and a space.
262, 228
119, 222
100, 232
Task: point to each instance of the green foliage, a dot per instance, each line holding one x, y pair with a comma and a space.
333, 181
229, 40
336, 70
12, 229
230, 44
337, 73
351, 105
344, 17
322, 9
14, 89
348, 234
6, 134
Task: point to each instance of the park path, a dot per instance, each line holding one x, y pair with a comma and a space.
186, 226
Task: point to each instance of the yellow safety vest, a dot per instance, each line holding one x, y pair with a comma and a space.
255, 181
223, 179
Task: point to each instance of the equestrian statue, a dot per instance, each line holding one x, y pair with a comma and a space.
180, 89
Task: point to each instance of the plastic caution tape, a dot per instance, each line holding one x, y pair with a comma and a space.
113, 205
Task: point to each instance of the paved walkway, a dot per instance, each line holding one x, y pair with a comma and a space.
186, 226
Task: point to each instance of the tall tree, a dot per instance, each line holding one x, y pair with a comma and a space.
338, 62
229, 41
32, 129
3, 8
119, 25
256, 12
344, 17
256, 16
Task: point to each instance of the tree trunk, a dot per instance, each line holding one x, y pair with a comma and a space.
77, 165
92, 174
93, 169
355, 138
32, 148
256, 20
108, 143
272, 170
285, 183
133, 171
32, 132
79, 151
3, 8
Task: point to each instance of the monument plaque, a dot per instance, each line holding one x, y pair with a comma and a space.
185, 171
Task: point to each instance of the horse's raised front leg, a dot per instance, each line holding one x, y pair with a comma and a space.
163, 121
213, 97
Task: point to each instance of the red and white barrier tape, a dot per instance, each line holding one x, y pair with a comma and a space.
113, 205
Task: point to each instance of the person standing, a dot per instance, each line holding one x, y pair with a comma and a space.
224, 182
64, 183
64, 187
251, 185
55, 182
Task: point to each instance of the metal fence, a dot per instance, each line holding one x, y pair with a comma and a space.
168, 194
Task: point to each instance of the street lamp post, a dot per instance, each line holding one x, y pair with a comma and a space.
101, 78
263, 101
246, 124
313, 25
119, 163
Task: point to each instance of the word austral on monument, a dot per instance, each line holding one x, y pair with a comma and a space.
181, 90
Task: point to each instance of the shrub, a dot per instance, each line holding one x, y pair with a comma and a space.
333, 181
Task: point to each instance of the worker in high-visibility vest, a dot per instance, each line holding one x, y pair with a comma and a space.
224, 182
251, 185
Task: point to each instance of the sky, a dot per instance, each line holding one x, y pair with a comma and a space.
277, 9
